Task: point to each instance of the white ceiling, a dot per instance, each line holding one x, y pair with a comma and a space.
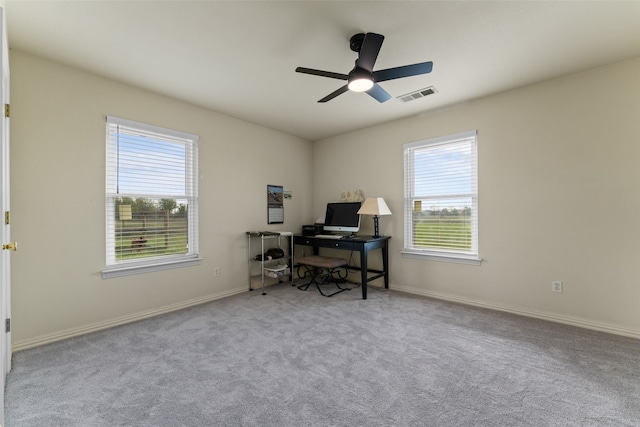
239, 57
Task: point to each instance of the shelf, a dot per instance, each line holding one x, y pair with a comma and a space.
276, 268
264, 234
270, 261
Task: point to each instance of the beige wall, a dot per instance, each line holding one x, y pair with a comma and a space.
558, 182
57, 184
559, 197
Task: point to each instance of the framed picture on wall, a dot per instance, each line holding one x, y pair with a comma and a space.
275, 206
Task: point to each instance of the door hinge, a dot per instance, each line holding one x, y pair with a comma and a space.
7, 110
7, 327
7, 217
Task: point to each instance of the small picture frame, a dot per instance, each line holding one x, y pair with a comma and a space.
275, 205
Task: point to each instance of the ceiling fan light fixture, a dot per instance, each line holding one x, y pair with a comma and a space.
359, 80
360, 84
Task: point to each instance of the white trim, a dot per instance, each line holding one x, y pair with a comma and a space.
410, 151
441, 139
551, 317
572, 321
95, 327
5, 202
115, 267
159, 265
446, 257
151, 128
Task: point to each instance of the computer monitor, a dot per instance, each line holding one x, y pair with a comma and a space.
342, 217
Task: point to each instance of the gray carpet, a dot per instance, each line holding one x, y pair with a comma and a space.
294, 358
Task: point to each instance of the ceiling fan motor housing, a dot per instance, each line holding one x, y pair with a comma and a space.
355, 43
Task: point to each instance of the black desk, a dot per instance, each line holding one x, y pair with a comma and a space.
362, 244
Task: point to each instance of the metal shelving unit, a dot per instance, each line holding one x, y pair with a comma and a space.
275, 268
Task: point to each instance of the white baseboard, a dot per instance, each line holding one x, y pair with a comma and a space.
573, 321
74, 332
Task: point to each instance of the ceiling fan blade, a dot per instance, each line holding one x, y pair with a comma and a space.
322, 73
404, 71
333, 94
378, 93
369, 51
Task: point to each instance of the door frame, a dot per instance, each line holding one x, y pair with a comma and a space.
5, 227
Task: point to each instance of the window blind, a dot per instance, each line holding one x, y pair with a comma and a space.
441, 200
151, 193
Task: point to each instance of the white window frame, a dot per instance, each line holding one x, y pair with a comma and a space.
411, 249
115, 268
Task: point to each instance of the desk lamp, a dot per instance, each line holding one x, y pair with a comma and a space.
374, 206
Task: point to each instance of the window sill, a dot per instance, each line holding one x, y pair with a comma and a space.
140, 268
442, 256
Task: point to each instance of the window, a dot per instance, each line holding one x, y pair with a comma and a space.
151, 198
441, 198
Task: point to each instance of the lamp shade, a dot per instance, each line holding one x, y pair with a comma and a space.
374, 206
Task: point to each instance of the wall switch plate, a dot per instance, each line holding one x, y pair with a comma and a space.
216, 272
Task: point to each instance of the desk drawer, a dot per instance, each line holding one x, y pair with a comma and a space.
339, 244
324, 243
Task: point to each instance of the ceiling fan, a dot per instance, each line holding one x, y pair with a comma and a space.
362, 78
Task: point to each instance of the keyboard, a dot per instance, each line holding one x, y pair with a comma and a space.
328, 236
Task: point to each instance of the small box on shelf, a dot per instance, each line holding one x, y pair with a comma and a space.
277, 271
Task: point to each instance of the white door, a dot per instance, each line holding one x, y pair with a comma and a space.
5, 234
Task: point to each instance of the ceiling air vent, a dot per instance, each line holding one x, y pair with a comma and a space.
418, 94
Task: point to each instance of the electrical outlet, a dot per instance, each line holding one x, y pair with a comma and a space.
556, 286
216, 271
